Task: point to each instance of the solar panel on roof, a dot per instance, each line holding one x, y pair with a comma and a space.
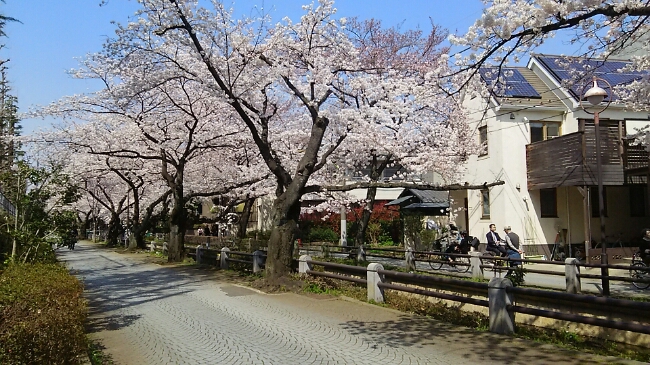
508, 82
584, 69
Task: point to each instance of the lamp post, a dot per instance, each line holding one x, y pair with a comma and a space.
595, 96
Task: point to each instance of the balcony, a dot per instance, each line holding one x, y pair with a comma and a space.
636, 161
570, 160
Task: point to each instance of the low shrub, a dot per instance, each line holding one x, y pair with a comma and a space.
42, 315
323, 234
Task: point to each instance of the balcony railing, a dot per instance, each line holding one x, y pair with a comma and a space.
635, 162
570, 160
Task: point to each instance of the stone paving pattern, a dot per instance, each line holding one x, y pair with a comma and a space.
151, 314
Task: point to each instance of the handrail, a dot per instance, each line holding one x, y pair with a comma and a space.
357, 269
457, 298
395, 278
582, 298
336, 276
625, 326
431, 279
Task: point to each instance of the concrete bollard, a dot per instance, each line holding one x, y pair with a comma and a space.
475, 265
303, 265
375, 293
258, 261
502, 321
572, 275
410, 259
198, 254
361, 254
223, 264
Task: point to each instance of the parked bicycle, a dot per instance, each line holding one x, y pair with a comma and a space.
612, 241
637, 272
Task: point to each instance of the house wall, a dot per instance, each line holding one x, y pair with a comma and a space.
512, 204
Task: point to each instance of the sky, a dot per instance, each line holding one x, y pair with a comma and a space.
54, 34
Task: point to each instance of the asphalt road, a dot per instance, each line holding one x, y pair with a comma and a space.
145, 313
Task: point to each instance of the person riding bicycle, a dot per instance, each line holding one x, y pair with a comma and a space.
644, 246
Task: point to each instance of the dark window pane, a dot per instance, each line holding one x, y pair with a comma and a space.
548, 203
638, 200
536, 132
593, 198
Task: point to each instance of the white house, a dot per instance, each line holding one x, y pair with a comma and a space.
540, 142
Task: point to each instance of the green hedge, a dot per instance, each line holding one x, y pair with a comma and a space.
42, 315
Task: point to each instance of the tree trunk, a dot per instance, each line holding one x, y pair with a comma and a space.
286, 212
365, 216
113, 234
176, 244
245, 216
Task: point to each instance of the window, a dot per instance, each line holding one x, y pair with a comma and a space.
543, 131
483, 140
593, 199
485, 203
548, 203
638, 200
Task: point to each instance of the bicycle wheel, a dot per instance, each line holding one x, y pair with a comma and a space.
639, 274
435, 260
464, 264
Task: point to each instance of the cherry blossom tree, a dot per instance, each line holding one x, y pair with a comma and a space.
303, 90
218, 104
162, 119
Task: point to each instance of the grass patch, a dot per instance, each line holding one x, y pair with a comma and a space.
96, 354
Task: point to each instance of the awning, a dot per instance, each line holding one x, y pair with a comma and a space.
426, 206
399, 200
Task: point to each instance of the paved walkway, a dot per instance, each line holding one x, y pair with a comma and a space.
151, 314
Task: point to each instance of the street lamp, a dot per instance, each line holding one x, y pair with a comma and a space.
595, 96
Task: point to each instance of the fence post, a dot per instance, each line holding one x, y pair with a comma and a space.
410, 259
198, 254
475, 264
361, 254
258, 261
224, 258
572, 274
374, 278
207, 242
164, 248
303, 265
502, 321
152, 247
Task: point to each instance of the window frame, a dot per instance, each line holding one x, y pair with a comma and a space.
483, 140
547, 213
485, 213
545, 125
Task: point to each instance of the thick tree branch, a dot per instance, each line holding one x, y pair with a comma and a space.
365, 185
